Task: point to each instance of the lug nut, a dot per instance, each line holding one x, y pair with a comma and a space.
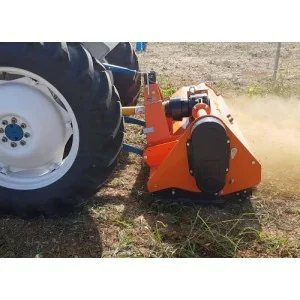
23, 125
4, 122
22, 143
14, 120
27, 134
1, 130
13, 144
4, 139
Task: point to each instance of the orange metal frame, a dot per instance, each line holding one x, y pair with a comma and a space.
166, 153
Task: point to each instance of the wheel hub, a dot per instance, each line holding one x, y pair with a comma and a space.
14, 132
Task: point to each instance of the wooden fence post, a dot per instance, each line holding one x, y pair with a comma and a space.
276, 61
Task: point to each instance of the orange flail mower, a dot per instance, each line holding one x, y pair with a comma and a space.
195, 148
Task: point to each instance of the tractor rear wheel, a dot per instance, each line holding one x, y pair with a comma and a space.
127, 85
61, 128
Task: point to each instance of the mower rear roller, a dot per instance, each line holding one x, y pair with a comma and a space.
61, 127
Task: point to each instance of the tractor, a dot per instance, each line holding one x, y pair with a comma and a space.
62, 113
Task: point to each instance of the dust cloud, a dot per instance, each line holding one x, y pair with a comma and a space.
272, 128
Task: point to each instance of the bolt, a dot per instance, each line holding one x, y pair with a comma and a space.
237, 194
23, 125
13, 144
23, 143
4, 139
1, 130
4, 122
27, 134
173, 192
14, 120
245, 192
191, 171
253, 162
231, 180
227, 169
188, 144
228, 141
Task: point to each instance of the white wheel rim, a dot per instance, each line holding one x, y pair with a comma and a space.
33, 158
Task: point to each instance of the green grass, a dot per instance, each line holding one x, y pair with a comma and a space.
223, 86
281, 87
166, 86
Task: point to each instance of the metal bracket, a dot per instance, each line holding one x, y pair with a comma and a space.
130, 120
132, 149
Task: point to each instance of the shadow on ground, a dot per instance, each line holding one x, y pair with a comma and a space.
76, 236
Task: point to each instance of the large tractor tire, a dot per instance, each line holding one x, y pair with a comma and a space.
61, 127
127, 85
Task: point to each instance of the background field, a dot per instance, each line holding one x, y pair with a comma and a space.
123, 220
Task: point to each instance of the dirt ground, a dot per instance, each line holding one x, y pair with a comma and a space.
123, 220
232, 66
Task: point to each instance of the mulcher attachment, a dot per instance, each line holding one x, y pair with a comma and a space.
194, 145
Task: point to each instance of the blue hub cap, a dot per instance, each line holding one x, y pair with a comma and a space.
14, 132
